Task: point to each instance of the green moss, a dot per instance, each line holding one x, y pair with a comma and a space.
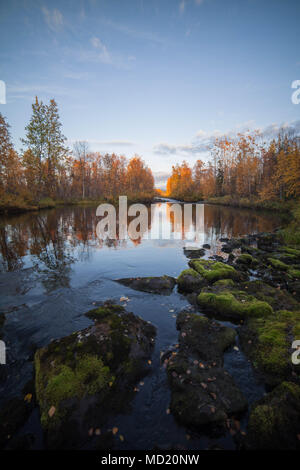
279, 299
274, 420
294, 273
277, 264
212, 271
91, 362
89, 377
224, 283
188, 272
189, 280
271, 339
291, 251
104, 311
237, 306
247, 260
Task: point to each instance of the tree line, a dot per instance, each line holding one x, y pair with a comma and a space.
242, 168
47, 169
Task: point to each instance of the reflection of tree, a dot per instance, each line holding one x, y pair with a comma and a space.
11, 259
56, 238
48, 243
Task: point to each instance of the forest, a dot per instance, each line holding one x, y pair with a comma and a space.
46, 172
243, 171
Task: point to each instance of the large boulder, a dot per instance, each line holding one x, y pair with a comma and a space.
203, 394
84, 378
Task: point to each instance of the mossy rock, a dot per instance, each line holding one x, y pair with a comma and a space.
203, 394
233, 305
279, 299
154, 285
204, 337
267, 342
246, 259
193, 253
189, 281
90, 374
277, 264
224, 283
213, 271
274, 420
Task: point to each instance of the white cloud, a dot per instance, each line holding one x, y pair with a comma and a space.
199, 2
203, 141
105, 143
103, 54
53, 18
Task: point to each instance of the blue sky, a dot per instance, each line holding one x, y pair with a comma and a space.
153, 77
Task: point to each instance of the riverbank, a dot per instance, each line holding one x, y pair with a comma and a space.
257, 204
16, 204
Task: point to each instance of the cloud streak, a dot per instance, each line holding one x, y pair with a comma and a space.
53, 18
204, 141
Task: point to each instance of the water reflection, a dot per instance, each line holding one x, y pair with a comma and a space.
51, 241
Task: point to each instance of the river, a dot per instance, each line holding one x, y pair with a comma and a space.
54, 269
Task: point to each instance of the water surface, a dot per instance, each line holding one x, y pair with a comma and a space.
54, 268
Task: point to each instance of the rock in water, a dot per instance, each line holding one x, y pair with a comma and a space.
90, 375
154, 285
204, 395
274, 420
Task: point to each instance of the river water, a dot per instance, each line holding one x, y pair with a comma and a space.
54, 268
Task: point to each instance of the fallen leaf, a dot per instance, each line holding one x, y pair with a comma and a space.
235, 348
91, 431
213, 395
203, 385
121, 438
149, 362
28, 397
97, 432
115, 430
168, 411
51, 411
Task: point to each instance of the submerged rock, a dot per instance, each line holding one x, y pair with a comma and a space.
193, 253
86, 377
274, 420
154, 285
203, 394
268, 341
